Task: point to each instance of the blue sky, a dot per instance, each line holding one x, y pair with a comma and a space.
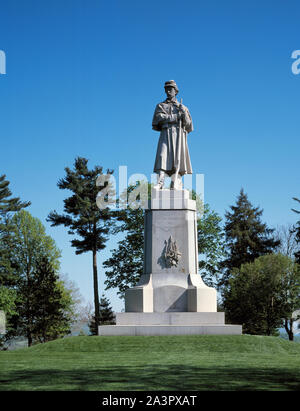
83, 78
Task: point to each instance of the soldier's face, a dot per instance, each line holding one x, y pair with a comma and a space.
170, 92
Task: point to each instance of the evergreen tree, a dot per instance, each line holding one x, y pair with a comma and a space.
93, 327
297, 231
48, 305
83, 217
247, 238
8, 205
107, 316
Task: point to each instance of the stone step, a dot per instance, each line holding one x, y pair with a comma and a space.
157, 330
170, 318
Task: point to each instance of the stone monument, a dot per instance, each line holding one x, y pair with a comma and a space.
171, 298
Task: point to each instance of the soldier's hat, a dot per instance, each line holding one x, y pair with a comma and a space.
171, 83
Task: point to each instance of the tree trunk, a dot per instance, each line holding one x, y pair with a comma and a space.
288, 325
29, 326
96, 293
28, 308
29, 339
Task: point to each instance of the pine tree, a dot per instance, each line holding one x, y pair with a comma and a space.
48, 306
247, 238
107, 316
106, 313
8, 205
83, 217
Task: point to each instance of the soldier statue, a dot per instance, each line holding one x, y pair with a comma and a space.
174, 122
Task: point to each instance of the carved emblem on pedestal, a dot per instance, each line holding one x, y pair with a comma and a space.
172, 254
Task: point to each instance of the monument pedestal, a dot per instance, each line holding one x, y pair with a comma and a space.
173, 293
170, 298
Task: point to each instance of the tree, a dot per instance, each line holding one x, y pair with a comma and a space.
263, 294
286, 234
83, 217
8, 206
8, 300
8, 277
290, 287
247, 238
125, 266
297, 233
107, 316
49, 304
30, 244
72, 299
293, 209
7, 306
211, 246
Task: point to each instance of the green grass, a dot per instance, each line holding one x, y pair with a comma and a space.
154, 363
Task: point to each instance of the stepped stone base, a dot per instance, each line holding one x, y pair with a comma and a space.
170, 323
170, 297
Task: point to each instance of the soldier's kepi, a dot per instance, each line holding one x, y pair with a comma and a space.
174, 122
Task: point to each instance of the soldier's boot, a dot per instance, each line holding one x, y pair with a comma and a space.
176, 182
160, 180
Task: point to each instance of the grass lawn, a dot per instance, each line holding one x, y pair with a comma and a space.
154, 363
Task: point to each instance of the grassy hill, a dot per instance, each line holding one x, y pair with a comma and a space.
154, 363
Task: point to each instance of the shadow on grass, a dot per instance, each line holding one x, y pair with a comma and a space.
155, 377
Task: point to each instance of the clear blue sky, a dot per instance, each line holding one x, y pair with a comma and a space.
83, 78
